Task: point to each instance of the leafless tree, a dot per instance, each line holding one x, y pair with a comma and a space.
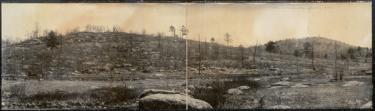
143, 31
335, 61
172, 29
255, 52
36, 31
242, 57
215, 50
116, 29
309, 49
184, 31
199, 56
227, 39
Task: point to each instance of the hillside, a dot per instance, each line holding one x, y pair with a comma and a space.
106, 70
322, 46
119, 53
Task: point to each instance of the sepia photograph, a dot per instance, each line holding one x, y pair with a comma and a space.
147, 56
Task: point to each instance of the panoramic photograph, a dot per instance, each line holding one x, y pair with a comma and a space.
143, 56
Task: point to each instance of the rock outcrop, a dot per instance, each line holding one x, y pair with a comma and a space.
162, 99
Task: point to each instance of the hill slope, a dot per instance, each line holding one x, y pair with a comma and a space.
123, 53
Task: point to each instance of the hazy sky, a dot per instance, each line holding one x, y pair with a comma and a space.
246, 23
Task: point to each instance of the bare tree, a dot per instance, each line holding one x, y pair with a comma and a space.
309, 50
312, 56
242, 57
36, 31
184, 31
116, 29
199, 56
215, 51
335, 61
205, 49
255, 52
143, 31
227, 39
172, 29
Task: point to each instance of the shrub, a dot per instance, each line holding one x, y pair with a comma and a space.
18, 90
113, 95
49, 96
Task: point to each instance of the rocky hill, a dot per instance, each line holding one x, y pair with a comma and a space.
118, 53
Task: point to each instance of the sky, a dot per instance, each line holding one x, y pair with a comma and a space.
247, 23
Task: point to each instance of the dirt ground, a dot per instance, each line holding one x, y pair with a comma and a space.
318, 91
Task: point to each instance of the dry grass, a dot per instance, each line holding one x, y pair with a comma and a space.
214, 92
98, 97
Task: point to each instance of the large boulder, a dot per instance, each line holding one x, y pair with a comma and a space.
367, 105
171, 101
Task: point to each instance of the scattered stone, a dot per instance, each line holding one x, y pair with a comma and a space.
107, 67
156, 91
367, 105
256, 79
285, 79
300, 85
159, 75
94, 87
274, 87
369, 72
171, 101
353, 83
191, 87
234, 91
281, 83
274, 69
26, 66
244, 87
279, 107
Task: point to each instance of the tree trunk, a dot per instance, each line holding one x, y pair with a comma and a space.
255, 52
335, 62
312, 56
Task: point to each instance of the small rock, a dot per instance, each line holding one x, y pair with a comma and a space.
191, 87
367, 105
93, 87
353, 83
256, 79
234, 91
274, 69
285, 79
279, 107
281, 83
274, 87
159, 75
300, 85
244, 87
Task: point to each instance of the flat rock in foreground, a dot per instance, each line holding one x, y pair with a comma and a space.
171, 101
156, 91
